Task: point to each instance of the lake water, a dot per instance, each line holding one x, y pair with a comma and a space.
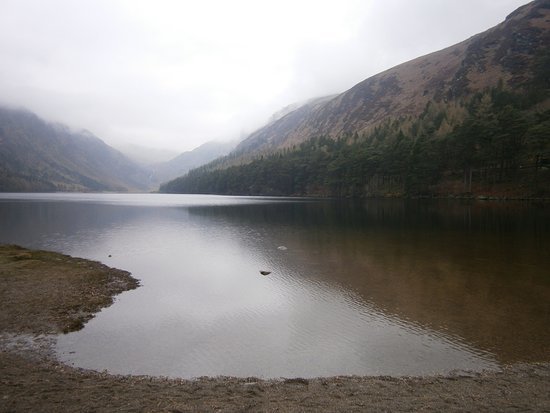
367, 288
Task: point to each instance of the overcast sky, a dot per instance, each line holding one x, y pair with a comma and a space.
174, 74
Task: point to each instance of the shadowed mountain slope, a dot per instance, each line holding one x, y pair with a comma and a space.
39, 156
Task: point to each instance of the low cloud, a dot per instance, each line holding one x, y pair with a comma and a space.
174, 74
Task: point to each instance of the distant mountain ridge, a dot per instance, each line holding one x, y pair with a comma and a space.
145, 155
188, 160
39, 156
36, 155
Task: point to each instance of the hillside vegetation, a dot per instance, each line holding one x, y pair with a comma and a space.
472, 119
497, 149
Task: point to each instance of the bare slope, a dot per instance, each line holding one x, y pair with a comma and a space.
508, 53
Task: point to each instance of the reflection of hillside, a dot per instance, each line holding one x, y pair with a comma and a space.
494, 217
475, 271
32, 223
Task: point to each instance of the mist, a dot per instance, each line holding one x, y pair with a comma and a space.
175, 74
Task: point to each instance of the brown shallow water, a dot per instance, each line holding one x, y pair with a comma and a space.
360, 288
490, 289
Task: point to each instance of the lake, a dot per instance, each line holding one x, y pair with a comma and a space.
374, 287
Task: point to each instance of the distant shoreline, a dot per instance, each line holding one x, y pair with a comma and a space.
315, 197
43, 294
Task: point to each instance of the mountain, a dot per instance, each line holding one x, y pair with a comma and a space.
186, 161
39, 156
281, 126
145, 155
506, 52
470, 119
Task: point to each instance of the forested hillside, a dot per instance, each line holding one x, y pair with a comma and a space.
470, 120
497, 150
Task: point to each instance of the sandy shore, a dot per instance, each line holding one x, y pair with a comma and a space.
43, 294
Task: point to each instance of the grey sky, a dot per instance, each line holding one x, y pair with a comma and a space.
174, 74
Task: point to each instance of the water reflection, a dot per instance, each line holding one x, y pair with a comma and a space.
362, 288
478, 271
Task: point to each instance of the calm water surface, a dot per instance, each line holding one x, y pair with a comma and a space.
374, 287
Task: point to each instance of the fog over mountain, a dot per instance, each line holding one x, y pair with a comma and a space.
173, 75
38, 156
145, 155
248, 78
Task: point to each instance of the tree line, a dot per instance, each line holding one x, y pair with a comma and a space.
489, 143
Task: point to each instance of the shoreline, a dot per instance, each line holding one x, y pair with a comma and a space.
449, 197
43, 294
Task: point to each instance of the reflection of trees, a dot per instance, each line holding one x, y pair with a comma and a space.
29, 223
391, 214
